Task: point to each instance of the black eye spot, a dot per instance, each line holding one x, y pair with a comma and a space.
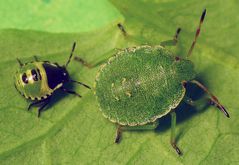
24, 78
39, 73
34, 75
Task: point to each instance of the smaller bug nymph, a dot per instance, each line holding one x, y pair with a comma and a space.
38, 80
142, 84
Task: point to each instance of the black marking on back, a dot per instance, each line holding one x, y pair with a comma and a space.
34, 75
39, 73
24, 78
55, 74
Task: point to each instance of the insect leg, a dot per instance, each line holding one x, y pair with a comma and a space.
172, 42
213, 98
121, 27
34, 103
83, 62
197, 33
46, 101
20, 63
80, 83
121, 128
175, 38
173, 125
71, 92
118, 134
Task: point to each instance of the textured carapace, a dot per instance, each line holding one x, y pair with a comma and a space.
141, 84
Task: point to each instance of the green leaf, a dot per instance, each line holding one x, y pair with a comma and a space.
73, 130
57, 16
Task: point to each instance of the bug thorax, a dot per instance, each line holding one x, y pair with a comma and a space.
56, 75
64, 75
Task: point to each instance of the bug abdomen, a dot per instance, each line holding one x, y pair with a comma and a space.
138, 87
31, 81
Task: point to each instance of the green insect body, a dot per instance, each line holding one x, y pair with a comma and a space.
142, 84
37, 87
38, 80
145, 90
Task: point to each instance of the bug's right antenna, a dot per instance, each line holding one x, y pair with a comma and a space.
72, 51
197, 33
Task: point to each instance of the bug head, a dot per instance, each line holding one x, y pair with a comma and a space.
64, 75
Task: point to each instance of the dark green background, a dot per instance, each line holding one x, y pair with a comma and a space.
72, 130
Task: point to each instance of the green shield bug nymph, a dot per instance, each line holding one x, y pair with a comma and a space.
38, 80
142, 84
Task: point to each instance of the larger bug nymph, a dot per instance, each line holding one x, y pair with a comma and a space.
38, 80
144, 83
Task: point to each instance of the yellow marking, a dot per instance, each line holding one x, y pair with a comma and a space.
98, 73
123, 80
58, 86
94, 85
128, 93
112, 86
116, 98
102, 67
138, 82
45, 89
20, 78
29, 77
94, 88
110, 60
53, 64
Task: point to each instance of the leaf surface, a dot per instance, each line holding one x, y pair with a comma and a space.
73, 130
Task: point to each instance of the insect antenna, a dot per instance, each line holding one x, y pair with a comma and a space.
197, 32
80, 83
121, 27
20, 63
72, 51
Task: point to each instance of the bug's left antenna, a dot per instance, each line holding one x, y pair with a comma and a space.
20, 63
72, 51
197, 32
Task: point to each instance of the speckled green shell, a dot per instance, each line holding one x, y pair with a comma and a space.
141, 84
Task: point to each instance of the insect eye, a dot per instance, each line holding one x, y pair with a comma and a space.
34, 75
24, 78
